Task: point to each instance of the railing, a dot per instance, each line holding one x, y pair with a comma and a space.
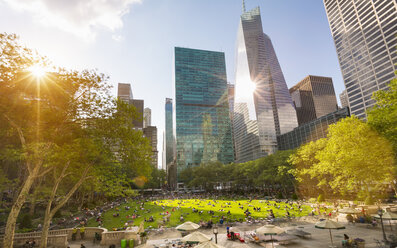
56, 238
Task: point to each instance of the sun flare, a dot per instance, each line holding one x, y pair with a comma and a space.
37, 71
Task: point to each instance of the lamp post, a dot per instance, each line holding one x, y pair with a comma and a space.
380, 213
215, 230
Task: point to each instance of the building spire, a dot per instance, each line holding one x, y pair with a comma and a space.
244, 6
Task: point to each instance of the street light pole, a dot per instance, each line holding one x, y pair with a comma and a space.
215, 230
380, 213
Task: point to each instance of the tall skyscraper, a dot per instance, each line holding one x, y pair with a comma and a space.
313, 97
263, 107
203, 130
138, 104
124, 92
343, 99
169, 132
364, 34
147, 117
150, 132
163, 154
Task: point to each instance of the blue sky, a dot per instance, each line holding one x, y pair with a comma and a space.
133, 41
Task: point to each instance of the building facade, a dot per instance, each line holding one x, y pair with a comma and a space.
263, 107
138, 121
124, 92
147, 117
203, 130
310, 131
344, 101
313, 97
364, 34
150, 132
169, 133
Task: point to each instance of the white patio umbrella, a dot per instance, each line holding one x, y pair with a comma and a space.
329, 224
196, 237
208, 244
388, 216
349, 211
187, 226
270, 230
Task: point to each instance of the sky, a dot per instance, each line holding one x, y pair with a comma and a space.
132, 41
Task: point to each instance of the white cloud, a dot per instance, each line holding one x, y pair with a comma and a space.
118, 38
80, 17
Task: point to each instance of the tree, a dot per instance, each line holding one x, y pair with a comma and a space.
353, 159
66, 124
383, 116
303, 160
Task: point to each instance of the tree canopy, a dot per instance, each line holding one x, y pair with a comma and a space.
354, 159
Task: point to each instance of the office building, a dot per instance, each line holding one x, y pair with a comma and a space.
163, 162
364, 34
310, 131
203, 130
124, 92
150, 132
147, 117
138, 104
343, 99
313, 97
169, 132
263, 107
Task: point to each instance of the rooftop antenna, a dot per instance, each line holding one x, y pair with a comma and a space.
244, 6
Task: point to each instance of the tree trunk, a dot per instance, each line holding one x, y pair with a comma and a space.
16, 207
34, 198
50, 213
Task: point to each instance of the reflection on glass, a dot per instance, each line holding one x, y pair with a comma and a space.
263, 107
203, 128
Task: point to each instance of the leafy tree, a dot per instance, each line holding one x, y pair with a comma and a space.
303, 160
353, 158
383, 116
66, 125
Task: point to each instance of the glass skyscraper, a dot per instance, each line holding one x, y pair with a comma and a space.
263, 107
169, 133
203, 130
364, 34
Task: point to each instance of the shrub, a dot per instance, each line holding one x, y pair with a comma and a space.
26, 222
312, 200
280, 195
294, 196
369, 200
320, 198
58, 214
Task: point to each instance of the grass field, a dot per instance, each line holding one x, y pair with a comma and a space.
184, 207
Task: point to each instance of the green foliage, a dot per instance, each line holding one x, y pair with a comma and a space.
383, 116
320, 198
294, 197
369, 200
270, 170
58, 214
280, 195
353, 158
25, 221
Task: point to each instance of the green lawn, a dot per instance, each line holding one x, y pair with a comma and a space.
220, 208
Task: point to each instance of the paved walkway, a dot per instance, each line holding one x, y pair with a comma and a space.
320, 237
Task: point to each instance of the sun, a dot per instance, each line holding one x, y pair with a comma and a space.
37, 71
